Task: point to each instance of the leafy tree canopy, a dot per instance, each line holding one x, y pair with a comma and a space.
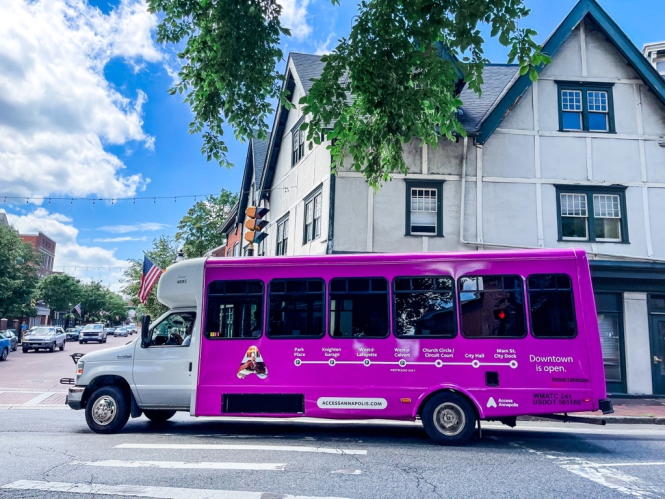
403, 85
163, 253
200, 229
18, 274
60, 291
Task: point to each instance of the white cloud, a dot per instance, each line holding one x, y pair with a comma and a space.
118, 239
84, 262
57, 110
123, 229
323, 48
294, 17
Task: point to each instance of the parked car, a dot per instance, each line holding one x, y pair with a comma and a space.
73, 334
132, 328
93, 332
121, 331
45, 338
5, 347
11, 336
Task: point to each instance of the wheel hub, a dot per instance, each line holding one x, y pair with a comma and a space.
449, 419
104, 410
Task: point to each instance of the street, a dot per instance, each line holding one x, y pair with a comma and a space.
50, 452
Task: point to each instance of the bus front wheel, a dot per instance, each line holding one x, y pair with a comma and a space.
107, 410
449, 419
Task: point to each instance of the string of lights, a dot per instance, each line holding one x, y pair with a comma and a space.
114, 201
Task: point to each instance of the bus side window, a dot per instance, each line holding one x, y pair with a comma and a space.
424, 307
551, 306
295, 308
235, 309
492, 306
359, 307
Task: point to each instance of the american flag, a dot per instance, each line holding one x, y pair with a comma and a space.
78, 309
151, 273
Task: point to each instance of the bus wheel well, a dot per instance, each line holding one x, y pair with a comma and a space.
107, 380
450, 390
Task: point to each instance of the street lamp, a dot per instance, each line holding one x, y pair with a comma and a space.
180, 257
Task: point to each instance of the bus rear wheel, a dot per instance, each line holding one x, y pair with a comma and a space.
449, 419
157, 416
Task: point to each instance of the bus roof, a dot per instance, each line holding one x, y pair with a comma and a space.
377, 258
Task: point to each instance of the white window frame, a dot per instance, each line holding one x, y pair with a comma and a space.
312, 217
282, 240
427, 201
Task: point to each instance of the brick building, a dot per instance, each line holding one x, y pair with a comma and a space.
46, 248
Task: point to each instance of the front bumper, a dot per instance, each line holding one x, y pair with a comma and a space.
95, 337
38, 344
75, 397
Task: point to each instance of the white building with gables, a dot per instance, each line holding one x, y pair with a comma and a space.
575, 159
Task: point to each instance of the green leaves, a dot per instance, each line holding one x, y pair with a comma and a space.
229, 75
396, 78
18, 274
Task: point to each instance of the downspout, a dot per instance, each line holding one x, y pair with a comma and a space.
331, 215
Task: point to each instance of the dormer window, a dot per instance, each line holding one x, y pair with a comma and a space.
586, 107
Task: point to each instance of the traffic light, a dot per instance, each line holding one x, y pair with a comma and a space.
255, 224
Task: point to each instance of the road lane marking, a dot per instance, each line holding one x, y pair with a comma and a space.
142, 491
181, 465
629, 464
286, 448
613, 479
39, 398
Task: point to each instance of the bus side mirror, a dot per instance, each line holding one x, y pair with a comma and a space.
145, 331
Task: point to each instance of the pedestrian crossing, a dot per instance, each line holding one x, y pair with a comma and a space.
217, 450
147, 491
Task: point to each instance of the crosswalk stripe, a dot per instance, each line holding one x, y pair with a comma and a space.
180, 465
143, 491
287, 448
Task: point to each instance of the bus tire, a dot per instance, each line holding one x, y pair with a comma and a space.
107, 410
157, 416
449, 418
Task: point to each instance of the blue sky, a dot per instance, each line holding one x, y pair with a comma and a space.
83, 92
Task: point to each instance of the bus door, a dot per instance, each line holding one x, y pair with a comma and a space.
163, 370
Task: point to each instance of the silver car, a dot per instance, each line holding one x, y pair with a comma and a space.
121, 331
45, 338
93, 332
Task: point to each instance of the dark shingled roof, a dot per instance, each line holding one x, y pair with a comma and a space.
260, 150
474, 109
496, 79
308, 66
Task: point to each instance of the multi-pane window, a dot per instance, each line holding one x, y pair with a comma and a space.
236, 249
551, 306
592, 215
296, 308
359, 307
585, 108
424, 215
235, 309
312, 218
282, 236
425, 307
492, 306
298, 144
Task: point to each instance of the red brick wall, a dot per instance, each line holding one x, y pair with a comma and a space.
231, 238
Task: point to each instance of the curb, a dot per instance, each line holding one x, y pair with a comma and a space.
608, 419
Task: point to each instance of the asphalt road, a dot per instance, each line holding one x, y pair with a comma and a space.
47, 451
42, 370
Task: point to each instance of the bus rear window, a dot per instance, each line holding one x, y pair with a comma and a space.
295, 308
492, 306
359, 308
424, 307
551, 305
235, 309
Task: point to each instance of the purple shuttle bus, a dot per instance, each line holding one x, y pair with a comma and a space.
451, 339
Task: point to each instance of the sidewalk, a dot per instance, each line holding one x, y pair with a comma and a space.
15, 398
626, 411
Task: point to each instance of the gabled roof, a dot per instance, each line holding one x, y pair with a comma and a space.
231, 220
308, 66
583, 9
259, 151
254, 163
